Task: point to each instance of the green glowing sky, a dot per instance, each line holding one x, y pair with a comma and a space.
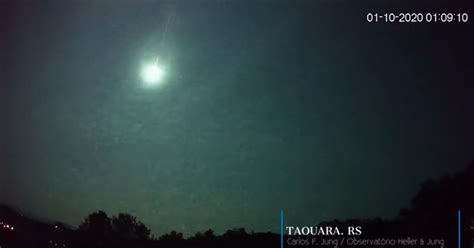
303, 107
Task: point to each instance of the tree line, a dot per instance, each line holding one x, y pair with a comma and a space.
432, 211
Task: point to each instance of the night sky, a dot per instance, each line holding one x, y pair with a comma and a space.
301, 106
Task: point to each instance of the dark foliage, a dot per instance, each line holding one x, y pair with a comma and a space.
433, 211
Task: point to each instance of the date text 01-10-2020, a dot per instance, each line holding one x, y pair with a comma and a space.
417, 17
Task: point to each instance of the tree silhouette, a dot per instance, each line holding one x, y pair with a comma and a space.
97, 224
197, 236
142, 232
206, 239
172, 236
209, 234
435, 207
236, 233
440, 199
95, 230
126, 226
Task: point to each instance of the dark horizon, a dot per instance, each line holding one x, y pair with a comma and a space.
451, 194
218, 114
445, 183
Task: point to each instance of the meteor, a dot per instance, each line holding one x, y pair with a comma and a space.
153, 74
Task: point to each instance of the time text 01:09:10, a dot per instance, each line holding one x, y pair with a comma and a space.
417, 17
